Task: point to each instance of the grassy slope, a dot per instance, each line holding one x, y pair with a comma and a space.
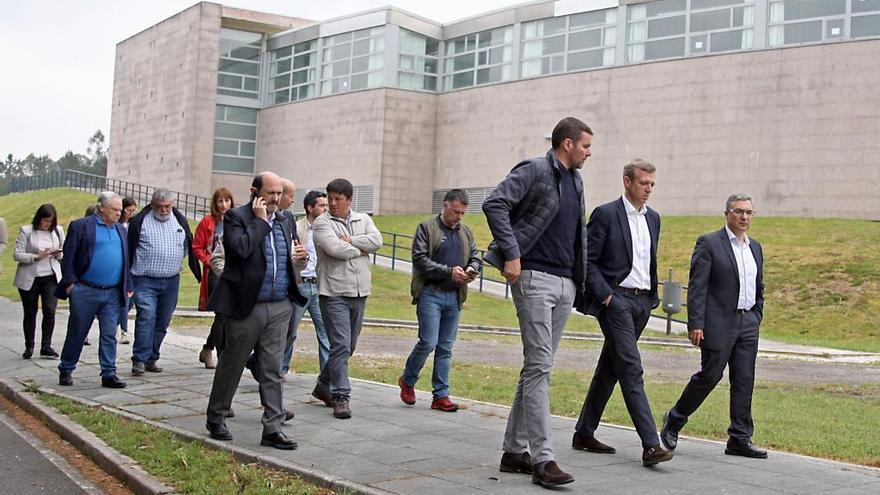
822, 277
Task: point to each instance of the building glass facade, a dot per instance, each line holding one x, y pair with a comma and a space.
238, 73
353, 60
293, 72
235, 139
419, 61
479, 58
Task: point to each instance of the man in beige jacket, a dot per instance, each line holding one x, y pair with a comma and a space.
344, 239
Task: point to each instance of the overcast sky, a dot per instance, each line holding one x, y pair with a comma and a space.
57, 82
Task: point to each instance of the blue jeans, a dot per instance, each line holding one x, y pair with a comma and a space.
309, 290
155, 300
438, 312
86, 303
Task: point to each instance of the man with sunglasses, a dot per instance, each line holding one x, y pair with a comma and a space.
725, 305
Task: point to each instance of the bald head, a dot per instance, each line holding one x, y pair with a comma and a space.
287, 194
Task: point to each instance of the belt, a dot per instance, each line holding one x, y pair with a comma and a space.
744, 311
310, 280
95, 286
636, 292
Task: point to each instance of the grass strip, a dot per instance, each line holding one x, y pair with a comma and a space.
190, 467
788, 417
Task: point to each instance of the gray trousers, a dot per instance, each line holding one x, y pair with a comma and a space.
543, 304
263, 332
343, 317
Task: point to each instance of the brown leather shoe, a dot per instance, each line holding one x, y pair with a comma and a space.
548, 474
655, 455
590, 444
323, 395
341, 409
516, 463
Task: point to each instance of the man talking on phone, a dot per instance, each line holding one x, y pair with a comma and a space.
445, 260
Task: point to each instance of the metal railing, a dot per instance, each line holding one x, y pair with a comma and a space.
397, 251
190, 205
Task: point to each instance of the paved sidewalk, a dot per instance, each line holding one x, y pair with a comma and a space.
391, 448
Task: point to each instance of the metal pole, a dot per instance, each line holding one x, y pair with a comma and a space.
669, 315
393, 250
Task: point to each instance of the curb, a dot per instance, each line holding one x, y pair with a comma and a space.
119, 466
141, 482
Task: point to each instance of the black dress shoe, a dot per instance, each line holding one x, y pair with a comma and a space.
28, 352
152, 367
744, 449
218, 431
48, 352
65, 379
590, 444
548, 474
288, 415
655, 455
230, 414
516, 463
278, 440
112, 381
668, 434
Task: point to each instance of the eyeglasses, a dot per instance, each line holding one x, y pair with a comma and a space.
740, 212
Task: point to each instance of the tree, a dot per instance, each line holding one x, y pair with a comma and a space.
97, 154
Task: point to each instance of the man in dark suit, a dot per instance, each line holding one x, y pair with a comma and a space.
621, 292
254, 296
95, 276
725, 307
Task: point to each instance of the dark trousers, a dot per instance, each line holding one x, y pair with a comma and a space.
622, 324
216, 335
41, 292
740, 355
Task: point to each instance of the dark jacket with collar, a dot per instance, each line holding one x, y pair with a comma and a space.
134, 235
610, 256
79, 245
713, 288
426, 243
523, 205
243, 236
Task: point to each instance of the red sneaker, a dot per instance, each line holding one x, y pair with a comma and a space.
407, 393
444, 404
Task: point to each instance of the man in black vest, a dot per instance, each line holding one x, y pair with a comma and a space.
621, 292
254, 296
725, 307
536, 215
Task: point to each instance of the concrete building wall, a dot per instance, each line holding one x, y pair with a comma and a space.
793, 127
164, 88
407, 165
318, 140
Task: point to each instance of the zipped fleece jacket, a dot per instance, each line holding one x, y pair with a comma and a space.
342, 268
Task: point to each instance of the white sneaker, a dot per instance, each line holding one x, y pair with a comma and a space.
123, 338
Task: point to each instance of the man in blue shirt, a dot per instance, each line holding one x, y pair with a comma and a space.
94, 275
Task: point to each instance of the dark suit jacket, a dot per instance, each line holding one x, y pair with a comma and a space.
243, 235
609, 253
713, 288
78, 248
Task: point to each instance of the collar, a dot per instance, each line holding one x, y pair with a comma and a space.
101, 221
732, 237
447, 227
631, 210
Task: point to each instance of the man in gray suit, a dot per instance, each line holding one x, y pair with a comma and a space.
725, 307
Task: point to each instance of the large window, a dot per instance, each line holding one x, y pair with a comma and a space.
558, 44
656, 30
720, 26
292, 72
235, 139
865, 18
353, 60
805, 21
418, 61
238, 73
479, 58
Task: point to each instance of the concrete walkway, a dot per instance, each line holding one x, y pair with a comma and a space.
391, 448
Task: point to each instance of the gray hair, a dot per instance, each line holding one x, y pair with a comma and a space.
733, 198
162, 194
638, 164
105, 197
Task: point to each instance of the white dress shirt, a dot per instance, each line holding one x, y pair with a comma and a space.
746, 269
640, 275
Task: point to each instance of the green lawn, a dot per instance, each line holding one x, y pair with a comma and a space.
788, 417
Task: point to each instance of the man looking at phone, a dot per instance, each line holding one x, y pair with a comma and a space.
445, 260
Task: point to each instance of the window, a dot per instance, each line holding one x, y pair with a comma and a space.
865, 25
574, 42
352, 61
418, 61
292, 72
479, 58
720, 26
235, 139
238, 73
805, 21
656, 30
